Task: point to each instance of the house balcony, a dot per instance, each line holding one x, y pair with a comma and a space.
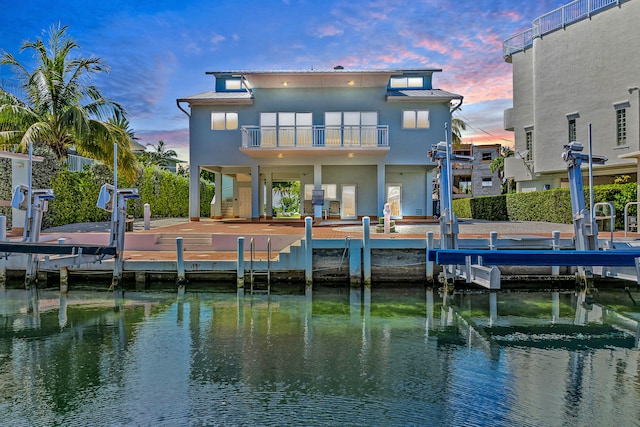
270, 141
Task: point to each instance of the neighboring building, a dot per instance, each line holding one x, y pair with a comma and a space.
475, 179
361, 136
577, 67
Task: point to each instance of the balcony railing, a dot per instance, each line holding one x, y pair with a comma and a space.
315, 136
556, 19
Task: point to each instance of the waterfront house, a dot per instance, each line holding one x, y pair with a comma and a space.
360, 136
575, 68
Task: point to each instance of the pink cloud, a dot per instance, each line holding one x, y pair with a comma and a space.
328, 31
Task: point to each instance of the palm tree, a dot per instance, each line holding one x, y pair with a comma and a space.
457, 126
60, 108
497, 164
160, 156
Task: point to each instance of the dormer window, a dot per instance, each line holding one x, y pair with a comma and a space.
406, 82
233, 84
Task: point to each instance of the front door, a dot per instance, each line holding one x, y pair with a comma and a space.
348, 208
244, 202
394, 198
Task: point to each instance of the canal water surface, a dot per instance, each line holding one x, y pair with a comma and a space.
336, 357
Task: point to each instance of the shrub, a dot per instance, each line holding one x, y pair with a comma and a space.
462, 208
167, 194
547, 206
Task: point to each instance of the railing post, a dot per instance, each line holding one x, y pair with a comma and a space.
355, 263
308, 253
366, 250
147, 216
180, 266
555, 270
240, 264
429, 245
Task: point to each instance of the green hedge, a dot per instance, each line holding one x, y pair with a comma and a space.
462, 208
491, 208
167, 194
548, 206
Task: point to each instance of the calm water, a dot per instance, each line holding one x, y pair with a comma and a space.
338, 357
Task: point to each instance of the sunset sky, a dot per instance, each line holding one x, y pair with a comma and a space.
159, 51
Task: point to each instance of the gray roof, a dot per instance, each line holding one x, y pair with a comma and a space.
421, 94
238, 97
329, 71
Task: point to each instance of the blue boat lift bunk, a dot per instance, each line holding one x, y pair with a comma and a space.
480, 266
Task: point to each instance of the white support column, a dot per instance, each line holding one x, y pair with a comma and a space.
217, 205
261, 196
194, 193
382, 196
317, 185
269, 185
429, 194
255, 193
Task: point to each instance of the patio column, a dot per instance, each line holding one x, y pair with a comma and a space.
382, 197
217, 198
429, 196
194, 193
269, 201
255, 193
317, 185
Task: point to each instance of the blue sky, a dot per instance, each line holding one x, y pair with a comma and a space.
159, 51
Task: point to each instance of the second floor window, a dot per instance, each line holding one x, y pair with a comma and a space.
572, 130
224, 121
529, 144
415, 119
486, 156
621, 126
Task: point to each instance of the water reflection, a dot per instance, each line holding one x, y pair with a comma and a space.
353, 356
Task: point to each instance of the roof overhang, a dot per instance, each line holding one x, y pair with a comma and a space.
19, 156
220, 98
631, 155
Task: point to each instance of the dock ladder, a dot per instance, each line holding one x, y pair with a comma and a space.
254, 273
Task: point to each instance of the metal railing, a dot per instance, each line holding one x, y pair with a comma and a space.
77, 163
314, 136
554, 20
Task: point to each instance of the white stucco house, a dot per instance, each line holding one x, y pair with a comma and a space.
577, 68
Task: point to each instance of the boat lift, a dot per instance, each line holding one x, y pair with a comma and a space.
35, 203
612, 261
115, 201
477, 273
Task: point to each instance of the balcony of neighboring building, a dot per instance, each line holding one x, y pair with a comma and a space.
557, 19
508, 119
273, 141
